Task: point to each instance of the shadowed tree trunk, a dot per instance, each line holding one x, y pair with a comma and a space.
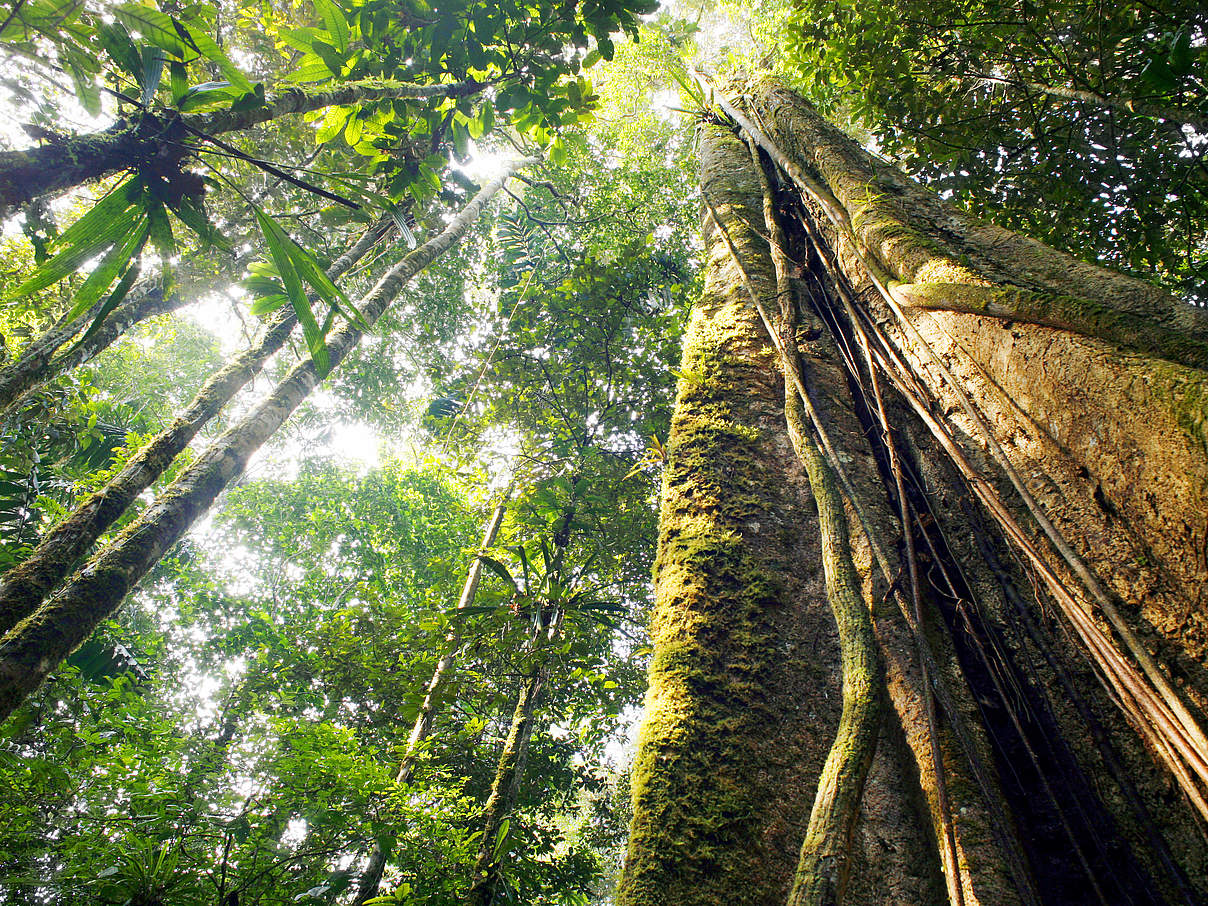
1041, 749
38, 644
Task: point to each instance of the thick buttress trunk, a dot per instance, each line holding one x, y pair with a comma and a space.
38, 644
1026, 782
744, 699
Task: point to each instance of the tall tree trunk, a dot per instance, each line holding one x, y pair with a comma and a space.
509, 772
744, 696
38, 644
1026, 779
505, 788
371, 875
26, 585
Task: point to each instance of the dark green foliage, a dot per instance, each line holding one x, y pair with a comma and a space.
968, 97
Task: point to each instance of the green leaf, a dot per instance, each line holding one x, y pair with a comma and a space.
207, 94
115, 260
278, 245
311, 271
115, 298
208, 48
1158, 75
269, 303
334, 119
332, 58
153, 25
86, 89
116, 40
1181, 59
191, 214
501, 838
353, 129
152, 73
311, 68
108, 219
334, 22
178, 80
500, 570
161, 230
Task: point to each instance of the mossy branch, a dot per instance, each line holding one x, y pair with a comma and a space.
61, 165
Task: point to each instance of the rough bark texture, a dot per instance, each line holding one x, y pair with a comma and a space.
917, 238
505, 789
1053, 797
38, 644
744, 698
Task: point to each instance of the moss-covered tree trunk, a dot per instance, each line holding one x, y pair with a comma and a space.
1027, 508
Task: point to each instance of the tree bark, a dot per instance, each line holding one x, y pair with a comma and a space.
1031, 781
40, 642
26, 585
925, 248
505, 789
744, 696
509, 772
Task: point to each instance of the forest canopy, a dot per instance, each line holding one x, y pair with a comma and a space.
357, 372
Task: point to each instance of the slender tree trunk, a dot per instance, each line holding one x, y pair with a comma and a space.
54, 168
40, 642
371, 876
37, 363
26, 585
505, 789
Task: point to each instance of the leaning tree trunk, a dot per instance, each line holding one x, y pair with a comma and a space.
978, 461
38, 363
39, 643
25, 586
